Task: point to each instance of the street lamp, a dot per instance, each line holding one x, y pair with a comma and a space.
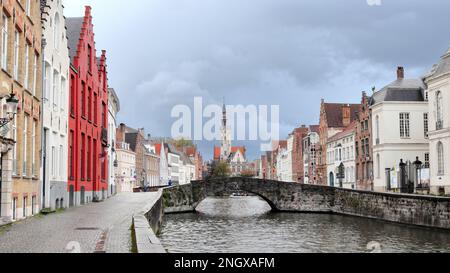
418, 165
11, 108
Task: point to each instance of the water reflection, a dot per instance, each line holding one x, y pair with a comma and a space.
245, 224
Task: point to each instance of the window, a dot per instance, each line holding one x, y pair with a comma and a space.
94, 159
427, 161
83, 98
425, 124
71, 156
89, 159
367, 147
33, 148
377, 121
404, 125
440, 152
55, 88
72, 95
83, 157
53, 172
61, 161
24, 206
14, 207
103, 115
24, 144
56, 32
95, 109
26, 80
378, 166
439, 111
47, 82
89, 57
5, 43
35, 68
16, 55
89, 104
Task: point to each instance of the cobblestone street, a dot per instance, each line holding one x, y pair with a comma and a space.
96, 227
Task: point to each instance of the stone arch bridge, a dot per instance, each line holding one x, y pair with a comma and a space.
427, 211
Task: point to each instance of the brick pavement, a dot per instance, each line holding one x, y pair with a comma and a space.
97, 227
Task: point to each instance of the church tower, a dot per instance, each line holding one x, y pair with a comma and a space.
225, 150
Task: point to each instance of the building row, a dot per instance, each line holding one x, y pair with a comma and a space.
58, 113
395, 140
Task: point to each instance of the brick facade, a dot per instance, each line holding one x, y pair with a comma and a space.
363, 146
88, 114
21, 72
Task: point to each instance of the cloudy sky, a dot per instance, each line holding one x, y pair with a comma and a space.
290, 53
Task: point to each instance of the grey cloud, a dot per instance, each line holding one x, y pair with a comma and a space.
286, 52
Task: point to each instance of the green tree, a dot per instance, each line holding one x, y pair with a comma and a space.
220, 170
181, 143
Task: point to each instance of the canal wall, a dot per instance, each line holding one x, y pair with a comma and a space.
427, 211
146, 224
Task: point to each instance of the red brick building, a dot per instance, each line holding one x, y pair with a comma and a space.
334, 118
297, 135
363, 146
88, 114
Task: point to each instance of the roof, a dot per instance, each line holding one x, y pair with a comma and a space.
172, 149
314, 128
442, 67
74, 26
334, 113
347, 131
218, 151
401, 90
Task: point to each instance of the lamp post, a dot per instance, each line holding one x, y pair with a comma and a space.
12, 103
403, 186
418, 165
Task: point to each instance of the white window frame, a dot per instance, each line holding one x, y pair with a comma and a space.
441, 159
14, 137
5, 35
26, 80
405, 130
33, 148
25, 144
16, 54
35, 68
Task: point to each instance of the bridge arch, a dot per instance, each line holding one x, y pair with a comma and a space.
281, 196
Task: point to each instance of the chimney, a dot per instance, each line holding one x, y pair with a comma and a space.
346, 115
400, 73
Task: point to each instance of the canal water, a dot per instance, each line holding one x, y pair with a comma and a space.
246, 225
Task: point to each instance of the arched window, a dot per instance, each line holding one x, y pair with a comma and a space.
440, 153
378, 166
439, 111
56, 36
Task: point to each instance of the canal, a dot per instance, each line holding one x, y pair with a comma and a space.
246, 225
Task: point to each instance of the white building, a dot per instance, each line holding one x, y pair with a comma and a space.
55, 110
341, 154
113, 109
174, 164
187, 170
284, 166
438, 94
126, 168
399, 122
